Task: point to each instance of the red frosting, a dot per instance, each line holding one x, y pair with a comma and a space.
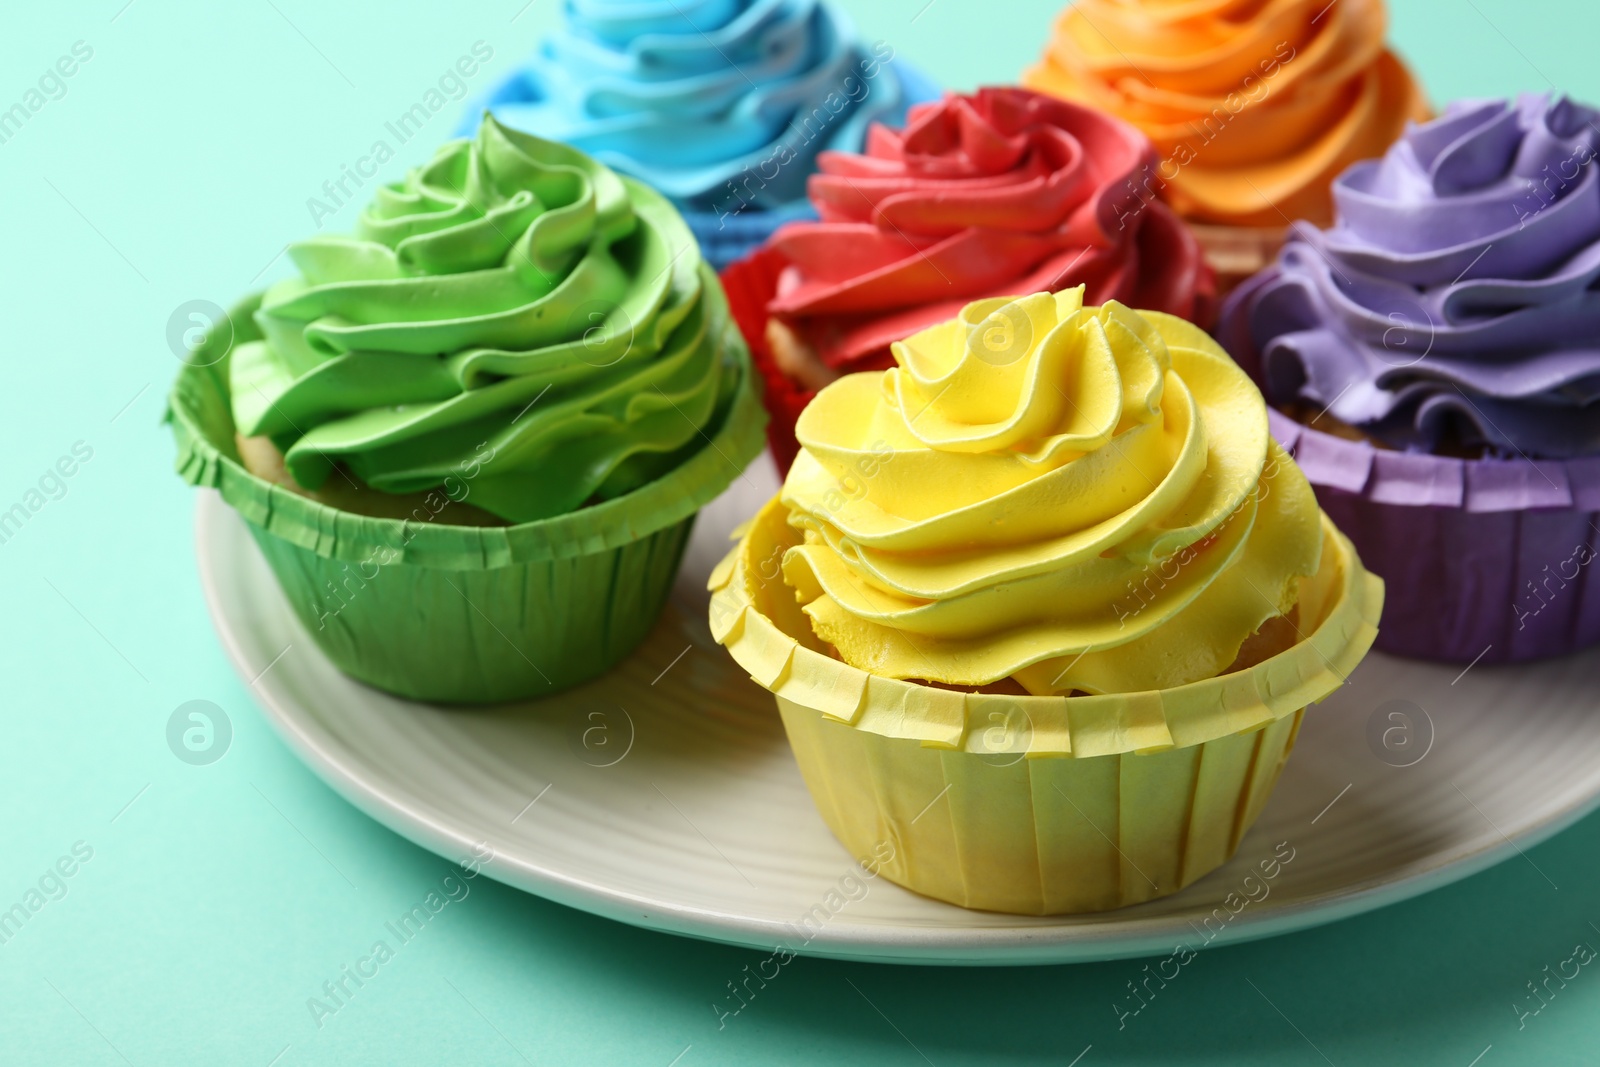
1001, 193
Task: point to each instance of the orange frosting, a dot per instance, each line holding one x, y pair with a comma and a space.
1254, 105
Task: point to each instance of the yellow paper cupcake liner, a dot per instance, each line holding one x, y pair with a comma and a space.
1037, 805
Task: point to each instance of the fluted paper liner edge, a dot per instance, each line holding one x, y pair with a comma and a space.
1038, 805
463, 614
1487, 560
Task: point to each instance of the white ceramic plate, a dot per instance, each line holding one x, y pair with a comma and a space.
665, 795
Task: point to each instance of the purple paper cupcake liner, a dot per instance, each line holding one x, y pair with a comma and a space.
1485, 560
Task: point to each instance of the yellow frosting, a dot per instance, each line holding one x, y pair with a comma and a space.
1079, 498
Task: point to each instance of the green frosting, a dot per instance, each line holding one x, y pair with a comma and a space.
514, 299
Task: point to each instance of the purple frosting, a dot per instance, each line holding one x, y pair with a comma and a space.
1455, 297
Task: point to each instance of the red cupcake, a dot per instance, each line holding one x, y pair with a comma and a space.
1000, 193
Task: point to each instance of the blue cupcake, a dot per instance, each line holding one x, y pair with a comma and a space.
723, 105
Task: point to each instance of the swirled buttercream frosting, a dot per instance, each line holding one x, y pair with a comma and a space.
1077, 498
1453, 304
721, 104
994, 194
1254, 105
511, 298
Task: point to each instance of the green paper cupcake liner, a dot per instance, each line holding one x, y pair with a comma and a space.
462, 614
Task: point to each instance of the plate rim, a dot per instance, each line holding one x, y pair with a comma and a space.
924, 945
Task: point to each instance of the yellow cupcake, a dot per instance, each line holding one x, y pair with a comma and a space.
1023, 599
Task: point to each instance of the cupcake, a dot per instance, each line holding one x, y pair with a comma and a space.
471, 438
995, 194
1042, 619
1435, 361
722, 105
1254, 107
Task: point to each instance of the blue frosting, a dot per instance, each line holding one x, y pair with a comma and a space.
722, 105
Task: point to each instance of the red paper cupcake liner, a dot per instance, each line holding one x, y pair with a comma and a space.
1488, 560
750, 284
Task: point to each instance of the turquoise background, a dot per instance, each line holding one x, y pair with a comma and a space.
175, 168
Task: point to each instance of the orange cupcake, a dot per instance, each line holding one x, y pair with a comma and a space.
1255, 106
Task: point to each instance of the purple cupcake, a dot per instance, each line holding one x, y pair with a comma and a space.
1435, 361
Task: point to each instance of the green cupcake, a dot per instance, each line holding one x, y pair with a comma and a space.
472, 438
